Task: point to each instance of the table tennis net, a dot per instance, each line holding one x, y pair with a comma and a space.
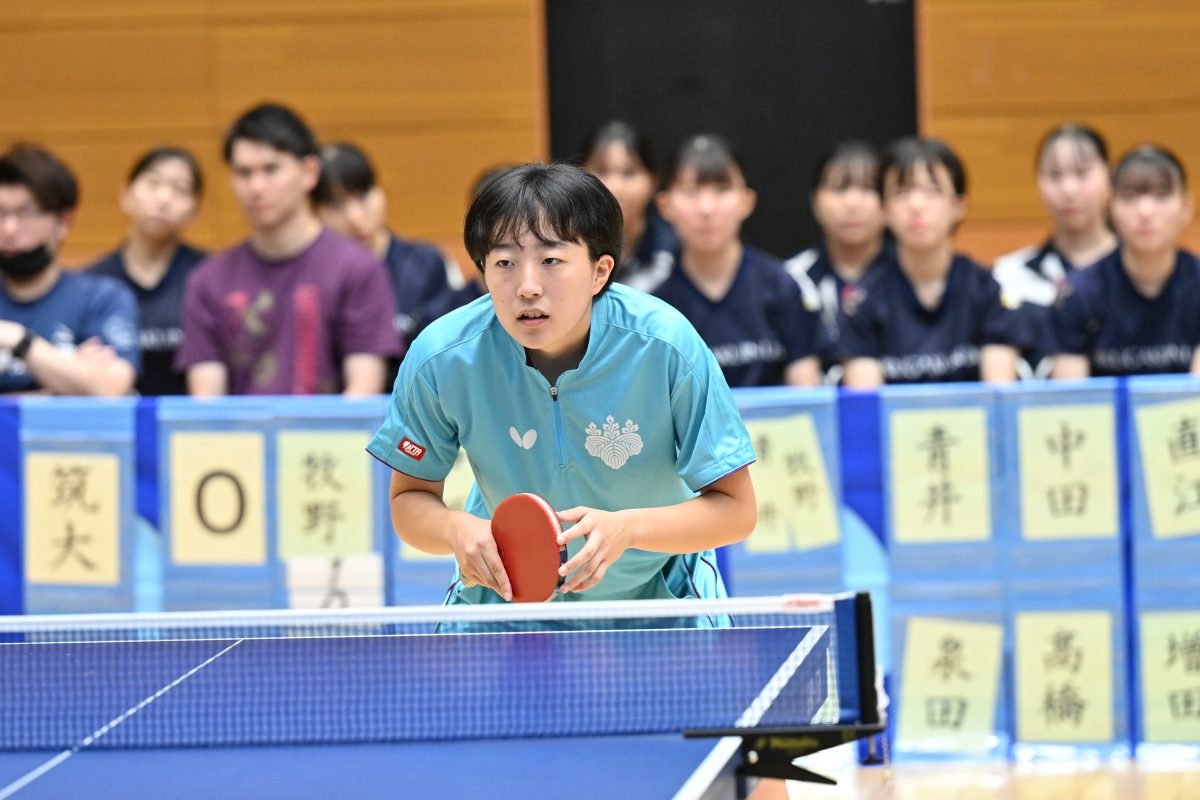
432, 673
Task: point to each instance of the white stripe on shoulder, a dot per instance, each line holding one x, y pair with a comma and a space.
1026, 285
652, 276
454, 274
798, 266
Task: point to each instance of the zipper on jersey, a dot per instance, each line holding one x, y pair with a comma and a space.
558, 428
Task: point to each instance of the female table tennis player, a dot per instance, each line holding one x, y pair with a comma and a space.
597, 397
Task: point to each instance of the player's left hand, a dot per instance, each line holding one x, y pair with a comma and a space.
607, 537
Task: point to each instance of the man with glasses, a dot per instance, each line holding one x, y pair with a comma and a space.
61, 332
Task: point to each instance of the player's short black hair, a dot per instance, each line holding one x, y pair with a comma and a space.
345, 170
624, 134
1149, 169
157, 155
712, 157
554, 202
905, 156
47, 178
846, 164
274, 125
1086, 140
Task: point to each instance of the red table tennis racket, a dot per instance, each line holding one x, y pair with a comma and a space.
526, 531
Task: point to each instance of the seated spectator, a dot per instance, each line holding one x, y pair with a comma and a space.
927, 314
1072, 177
296, 308
425, 283
61, 332
621, 157
161, 200
1137, 310
749, 312
845, 202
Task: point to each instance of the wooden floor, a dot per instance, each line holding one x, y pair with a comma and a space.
967, 782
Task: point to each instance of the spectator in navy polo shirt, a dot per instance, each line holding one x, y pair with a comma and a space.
845, 202
621, 157
1073, 180
748, 310
928, 314
61, 332
425, 282
161, 199
1137, 311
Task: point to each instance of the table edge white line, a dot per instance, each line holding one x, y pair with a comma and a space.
88, 741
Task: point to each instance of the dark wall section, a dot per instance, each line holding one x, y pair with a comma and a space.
783, 80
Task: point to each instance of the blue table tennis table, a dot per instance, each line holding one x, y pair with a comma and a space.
584, 714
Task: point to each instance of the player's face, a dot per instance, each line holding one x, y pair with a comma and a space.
922, 215
707, 217
162, 200
1150, 222
627, 178
272, 186
24, 225
849, 214
1073, 181
543, 292
359, 216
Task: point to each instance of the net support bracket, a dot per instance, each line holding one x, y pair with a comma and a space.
772, 752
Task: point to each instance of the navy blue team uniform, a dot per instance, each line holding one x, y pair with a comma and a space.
159, 311
650, 265
882, 319
819, 282
1034, 276
758, 328
77, 308
425, 285
1100, 314
420, 274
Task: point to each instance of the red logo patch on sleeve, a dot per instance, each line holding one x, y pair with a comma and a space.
411, 449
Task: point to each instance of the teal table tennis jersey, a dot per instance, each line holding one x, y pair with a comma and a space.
645, 420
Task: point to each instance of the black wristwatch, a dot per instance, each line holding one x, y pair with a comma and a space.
21, 348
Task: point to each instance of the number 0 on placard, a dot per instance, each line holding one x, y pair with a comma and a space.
217, 499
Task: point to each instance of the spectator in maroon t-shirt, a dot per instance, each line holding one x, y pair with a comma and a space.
296, 308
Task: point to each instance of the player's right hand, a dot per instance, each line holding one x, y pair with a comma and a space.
478, 559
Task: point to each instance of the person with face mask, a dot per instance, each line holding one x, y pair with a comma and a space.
61, 332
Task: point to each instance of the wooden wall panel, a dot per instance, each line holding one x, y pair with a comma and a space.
435, 92
91, 15
1066, 56
79, 80
995, 75
420, 72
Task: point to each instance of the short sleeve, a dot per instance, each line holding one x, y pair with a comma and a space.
712, 439
416, 438
1002, 324
1071, 322
113, 317
367, 312
200, 323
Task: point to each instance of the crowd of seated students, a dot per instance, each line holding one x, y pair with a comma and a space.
886, 298
323, 297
